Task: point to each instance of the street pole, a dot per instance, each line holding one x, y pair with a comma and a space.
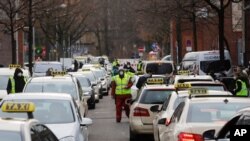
30, 37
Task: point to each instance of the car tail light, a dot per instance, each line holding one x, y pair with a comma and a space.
189, 137
141, 112
167, 122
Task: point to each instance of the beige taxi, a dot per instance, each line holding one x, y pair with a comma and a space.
141, 117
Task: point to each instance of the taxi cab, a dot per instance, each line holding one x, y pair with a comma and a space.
96, 84
60, 82
58, 112
185, 76
241, 118
5, 73
141, 118
200, 112
164, 114
20, 129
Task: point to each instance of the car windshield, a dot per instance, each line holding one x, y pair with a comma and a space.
56, 87
10, 136
98, 74
3, 81
84, 81
155, 96
160, 68
47, 111
214, 112
42, 68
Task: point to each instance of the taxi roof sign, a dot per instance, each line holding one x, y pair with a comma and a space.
18, 107
85, 69
155, 81
13, 66
182, 85
195, 91
183, 72
58, 73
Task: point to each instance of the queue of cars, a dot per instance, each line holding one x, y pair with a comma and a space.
196, 108
51, 107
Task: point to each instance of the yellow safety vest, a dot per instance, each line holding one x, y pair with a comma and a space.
13, 84
121, 84
139, 67
244, 90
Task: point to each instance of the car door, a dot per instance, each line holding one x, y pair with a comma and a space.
174, 121
83, 101
41, 132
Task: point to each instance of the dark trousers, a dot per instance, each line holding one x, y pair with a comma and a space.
120, 102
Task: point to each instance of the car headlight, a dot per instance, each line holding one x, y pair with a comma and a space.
70, 138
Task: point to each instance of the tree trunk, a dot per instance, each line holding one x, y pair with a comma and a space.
13, 44
30, 38
194, 32
221, 32
179, 39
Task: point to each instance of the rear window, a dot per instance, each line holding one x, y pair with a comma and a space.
155, 96
42, 68
214, 66
210, 87
160, 68
214, 112
191, 80
4, 82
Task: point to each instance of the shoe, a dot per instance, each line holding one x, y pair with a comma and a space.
118, 121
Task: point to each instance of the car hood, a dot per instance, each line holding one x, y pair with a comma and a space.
63, 130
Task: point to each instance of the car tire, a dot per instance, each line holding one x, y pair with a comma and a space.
133, 136
92, 106
97, 101
106, 94
101, 96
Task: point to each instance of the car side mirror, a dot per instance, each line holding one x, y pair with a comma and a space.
86, 122
154, 108
162, 121
102, 79
209, 135
86, 95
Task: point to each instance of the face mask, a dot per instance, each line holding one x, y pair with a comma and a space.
128, 65
19, 74
121, 73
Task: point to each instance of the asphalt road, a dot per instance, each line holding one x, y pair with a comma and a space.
104, 127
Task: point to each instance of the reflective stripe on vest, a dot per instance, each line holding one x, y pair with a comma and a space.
243, 91
13, 85
120, 84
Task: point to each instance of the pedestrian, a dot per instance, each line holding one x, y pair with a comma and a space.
75, 66
49, 72
16, 83
129, 67
144, 78
121, 91
242, 82
139, 66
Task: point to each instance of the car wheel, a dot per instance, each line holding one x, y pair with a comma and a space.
92, 106
133, 136
101, 96
97, 101
106, 93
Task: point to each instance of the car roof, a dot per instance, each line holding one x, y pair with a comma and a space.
8, 71
47, 62
66, 78
209, 93
159, 86
205, 82
157, 61
12, 124
218, 99
39, 95
193, 76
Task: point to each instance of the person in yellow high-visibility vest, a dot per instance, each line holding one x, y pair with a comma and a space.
16, 83
139, 67
242, 83
121, 91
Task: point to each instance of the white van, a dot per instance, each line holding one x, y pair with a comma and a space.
205, 62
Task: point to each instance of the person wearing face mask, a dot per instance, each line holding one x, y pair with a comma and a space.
143, 79
121, 92
16, 83
242, 82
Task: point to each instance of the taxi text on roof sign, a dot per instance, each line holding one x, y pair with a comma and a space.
194, 91
182, 85
18, 107
155, 81
58, 73
12, 66
85, 69
183, 72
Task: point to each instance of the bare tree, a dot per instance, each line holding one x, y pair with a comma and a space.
64, 24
